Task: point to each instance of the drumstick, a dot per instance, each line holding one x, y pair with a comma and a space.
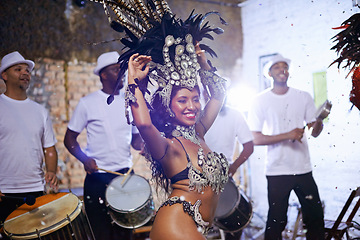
130, 169
303, 129
116, 173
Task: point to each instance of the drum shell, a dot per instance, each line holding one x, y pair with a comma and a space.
73, 225
133, 217
239, 216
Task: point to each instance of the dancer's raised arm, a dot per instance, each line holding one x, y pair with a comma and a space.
215, 87
137, 71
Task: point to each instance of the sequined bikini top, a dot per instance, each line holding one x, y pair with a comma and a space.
214, 172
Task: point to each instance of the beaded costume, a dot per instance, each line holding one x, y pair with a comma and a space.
215, 174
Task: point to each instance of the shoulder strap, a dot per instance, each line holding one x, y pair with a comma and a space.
163, 155
187, 155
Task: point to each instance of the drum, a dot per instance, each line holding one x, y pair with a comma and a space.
130, 203
324, 110
53, 217
234, 210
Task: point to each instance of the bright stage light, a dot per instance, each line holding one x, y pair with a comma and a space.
240, 97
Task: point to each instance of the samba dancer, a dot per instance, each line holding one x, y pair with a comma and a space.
197, 175
166, 52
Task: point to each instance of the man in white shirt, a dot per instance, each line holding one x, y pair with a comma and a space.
229, 128
26, 138
277, 119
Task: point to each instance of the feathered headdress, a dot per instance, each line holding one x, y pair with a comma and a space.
348, 49
348, 43
152, 29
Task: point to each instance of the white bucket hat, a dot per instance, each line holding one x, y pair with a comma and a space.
12, 59
106, 59
275, 59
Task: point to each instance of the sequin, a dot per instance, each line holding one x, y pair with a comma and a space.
179, 50
184, 64
175, 76
169, 40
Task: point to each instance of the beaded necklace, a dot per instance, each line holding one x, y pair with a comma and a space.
189, 133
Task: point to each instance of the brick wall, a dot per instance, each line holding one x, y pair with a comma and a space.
58, 86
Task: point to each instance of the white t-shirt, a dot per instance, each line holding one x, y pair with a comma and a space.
108, 134
25, 129
229, 126
274, 114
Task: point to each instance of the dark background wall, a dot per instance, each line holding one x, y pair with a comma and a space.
66, 29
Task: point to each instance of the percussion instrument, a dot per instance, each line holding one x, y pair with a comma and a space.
234, 210
324, 110
130, 202
52, 217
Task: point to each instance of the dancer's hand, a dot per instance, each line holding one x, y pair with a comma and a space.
201, 57
136, 67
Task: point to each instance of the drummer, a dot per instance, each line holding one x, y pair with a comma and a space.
26, 137
284, 111
109, 138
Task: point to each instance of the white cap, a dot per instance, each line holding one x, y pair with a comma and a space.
275, 59
12, 59
106, 59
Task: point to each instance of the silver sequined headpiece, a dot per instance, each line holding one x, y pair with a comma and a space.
182, 72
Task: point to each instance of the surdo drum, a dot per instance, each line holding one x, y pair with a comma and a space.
234, 210
57, 216
130, 202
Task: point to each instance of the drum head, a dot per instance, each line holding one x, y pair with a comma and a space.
130, 196
45, 218
228, 200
